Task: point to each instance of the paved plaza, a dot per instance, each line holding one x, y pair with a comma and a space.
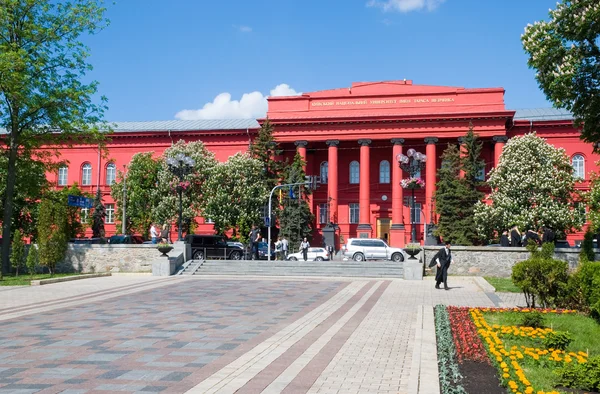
144, 334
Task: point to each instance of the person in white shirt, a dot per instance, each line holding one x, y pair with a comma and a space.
153, 234
284, 247
304, 248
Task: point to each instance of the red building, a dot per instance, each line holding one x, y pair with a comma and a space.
350, 137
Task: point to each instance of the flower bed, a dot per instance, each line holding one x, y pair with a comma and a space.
518, 353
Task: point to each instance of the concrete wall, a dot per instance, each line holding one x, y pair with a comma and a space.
113, 258
495, 261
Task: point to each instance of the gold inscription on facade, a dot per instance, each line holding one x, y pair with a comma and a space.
382, 102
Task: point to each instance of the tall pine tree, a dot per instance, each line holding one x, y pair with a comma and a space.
457, 195
296, 220
265, 149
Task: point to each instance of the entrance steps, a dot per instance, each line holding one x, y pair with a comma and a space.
190, 268
369, 269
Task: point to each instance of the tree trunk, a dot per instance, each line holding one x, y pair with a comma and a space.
8, 203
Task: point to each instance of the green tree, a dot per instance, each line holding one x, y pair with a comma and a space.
167, 209
532, 186
30, 184
141, 192
296, 220
98, 216
266, 149
565, 53
76, 225
52, 231
32, 259
592, 198
450, 200
235, 193
42, 63
17, 253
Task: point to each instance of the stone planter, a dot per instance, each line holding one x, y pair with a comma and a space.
164, 250
412, 253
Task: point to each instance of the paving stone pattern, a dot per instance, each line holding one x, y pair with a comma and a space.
147, 341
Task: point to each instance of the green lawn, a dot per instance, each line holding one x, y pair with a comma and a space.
502, 285
25, 280
584, 331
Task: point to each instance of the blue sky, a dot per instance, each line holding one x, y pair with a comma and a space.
158, 58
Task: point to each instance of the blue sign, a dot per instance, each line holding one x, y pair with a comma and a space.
292, 195
267, 221
79, 201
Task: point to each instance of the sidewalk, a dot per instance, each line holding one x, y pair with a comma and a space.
227, 334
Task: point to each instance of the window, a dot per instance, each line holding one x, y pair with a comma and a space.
208, 220
111, 173
581, 207
84, 215
86, 174
63, 173
323, 213
480, 175
417, 173
110, 213
578, 167
354, 172
415, 216
384, 172
324, 172
354, 213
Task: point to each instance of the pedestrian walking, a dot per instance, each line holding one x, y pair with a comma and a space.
278, 249
154, 233
284, 247
164, 234
254, 239
304, 248
442, 259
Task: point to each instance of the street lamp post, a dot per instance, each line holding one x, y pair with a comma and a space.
180, 165
413, 162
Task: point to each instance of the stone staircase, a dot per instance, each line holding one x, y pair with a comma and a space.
369, 269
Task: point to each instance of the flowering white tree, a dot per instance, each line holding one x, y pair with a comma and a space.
235, 194
532, 186
167, 208
565, 52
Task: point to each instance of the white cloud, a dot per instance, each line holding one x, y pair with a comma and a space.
251, 105
243, 29
405, 5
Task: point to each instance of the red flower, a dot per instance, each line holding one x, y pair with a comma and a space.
466, 339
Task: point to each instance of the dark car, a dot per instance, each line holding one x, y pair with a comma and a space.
213, 247
263, 251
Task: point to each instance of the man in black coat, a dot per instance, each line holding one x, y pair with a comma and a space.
442, 259
547, 235
531, 236
504, 241
515, 236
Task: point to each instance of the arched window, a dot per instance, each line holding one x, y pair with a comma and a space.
324, 172
354, 172
578, 163
384, 171
111, 173
86, 174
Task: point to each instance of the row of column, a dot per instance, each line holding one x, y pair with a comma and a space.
364, 225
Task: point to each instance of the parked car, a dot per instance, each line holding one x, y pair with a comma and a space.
314, 254
213, 247
263, 251
235, 243
361, 249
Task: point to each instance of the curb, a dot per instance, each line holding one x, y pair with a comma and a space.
40, 282
484, 285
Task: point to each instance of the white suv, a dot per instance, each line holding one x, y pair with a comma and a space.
361, 249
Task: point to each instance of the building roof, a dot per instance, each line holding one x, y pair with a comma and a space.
537, 114
186, 125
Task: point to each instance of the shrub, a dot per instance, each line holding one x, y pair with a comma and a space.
587, 247
542, 277
558, 340
533, 319
32, 259
17, 253
581, 376
584, 289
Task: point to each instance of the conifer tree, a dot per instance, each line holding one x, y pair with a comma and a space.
266, 149
17, 253
32, 260
52, 231
450, 199
296, 220
98, 216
